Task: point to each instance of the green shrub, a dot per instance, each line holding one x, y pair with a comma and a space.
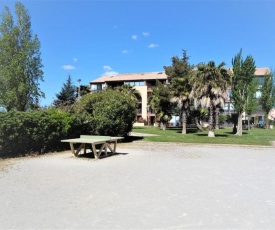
104, 113
107, 113
36, 131
222, 119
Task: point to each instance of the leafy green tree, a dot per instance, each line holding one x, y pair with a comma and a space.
252, 102
67, 95
209, 84
84, 89
267, 100
178, 76
20, 61
160, 102
128, 90
243, 75
107, 112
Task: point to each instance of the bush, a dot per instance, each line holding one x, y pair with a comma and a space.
108, 112
36, 131
222, 119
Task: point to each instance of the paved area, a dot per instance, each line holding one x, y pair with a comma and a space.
146, 186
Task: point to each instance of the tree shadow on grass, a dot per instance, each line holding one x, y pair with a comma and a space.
174, 128
190, 130
231, 133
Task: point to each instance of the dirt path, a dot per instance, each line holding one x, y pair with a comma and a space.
146, 186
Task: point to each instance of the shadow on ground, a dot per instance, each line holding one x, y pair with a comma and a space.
90, 155
131, 139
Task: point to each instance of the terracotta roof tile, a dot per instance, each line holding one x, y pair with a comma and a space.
262, 71
153, 76
258, 71
132, 77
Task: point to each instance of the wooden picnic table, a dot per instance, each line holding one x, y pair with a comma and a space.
99, 144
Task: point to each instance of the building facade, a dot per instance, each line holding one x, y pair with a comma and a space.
144, 83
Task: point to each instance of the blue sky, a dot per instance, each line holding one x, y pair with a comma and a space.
87, 38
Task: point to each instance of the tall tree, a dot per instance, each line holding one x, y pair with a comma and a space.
252, 102
160, 102
67, 95
243, 75
268, 95
84, 89
178, 76
20, 61
209, 84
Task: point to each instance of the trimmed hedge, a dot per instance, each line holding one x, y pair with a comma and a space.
34, 132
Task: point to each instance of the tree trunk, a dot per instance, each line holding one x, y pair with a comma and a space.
184, 121
198, 124
240, 125
164, 125
248, 123
211, 121
217, 123
267, 123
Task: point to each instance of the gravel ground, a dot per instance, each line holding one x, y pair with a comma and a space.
145, 186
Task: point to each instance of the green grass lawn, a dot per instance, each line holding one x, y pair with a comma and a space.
256, 136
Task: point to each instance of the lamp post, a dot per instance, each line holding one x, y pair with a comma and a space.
79, 80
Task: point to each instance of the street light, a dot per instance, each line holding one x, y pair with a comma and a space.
79, 80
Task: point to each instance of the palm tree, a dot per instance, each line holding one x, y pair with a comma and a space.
178, 76
128, 90
209, 84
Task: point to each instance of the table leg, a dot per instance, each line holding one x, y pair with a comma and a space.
110, 147
72, 149
94, 151
84, 148
115, 146
76, 152
101, 148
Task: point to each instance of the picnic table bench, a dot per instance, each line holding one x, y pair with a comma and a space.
99, 144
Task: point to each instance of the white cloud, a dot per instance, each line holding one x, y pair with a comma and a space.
107, 68
124, 51
109, 71
145, 34
134, 37
68, 67
74, 59
153, 45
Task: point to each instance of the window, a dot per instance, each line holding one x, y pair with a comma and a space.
232, 107
261, 80
96, 87
134, 83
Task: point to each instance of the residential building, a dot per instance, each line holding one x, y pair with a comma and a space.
144, 83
